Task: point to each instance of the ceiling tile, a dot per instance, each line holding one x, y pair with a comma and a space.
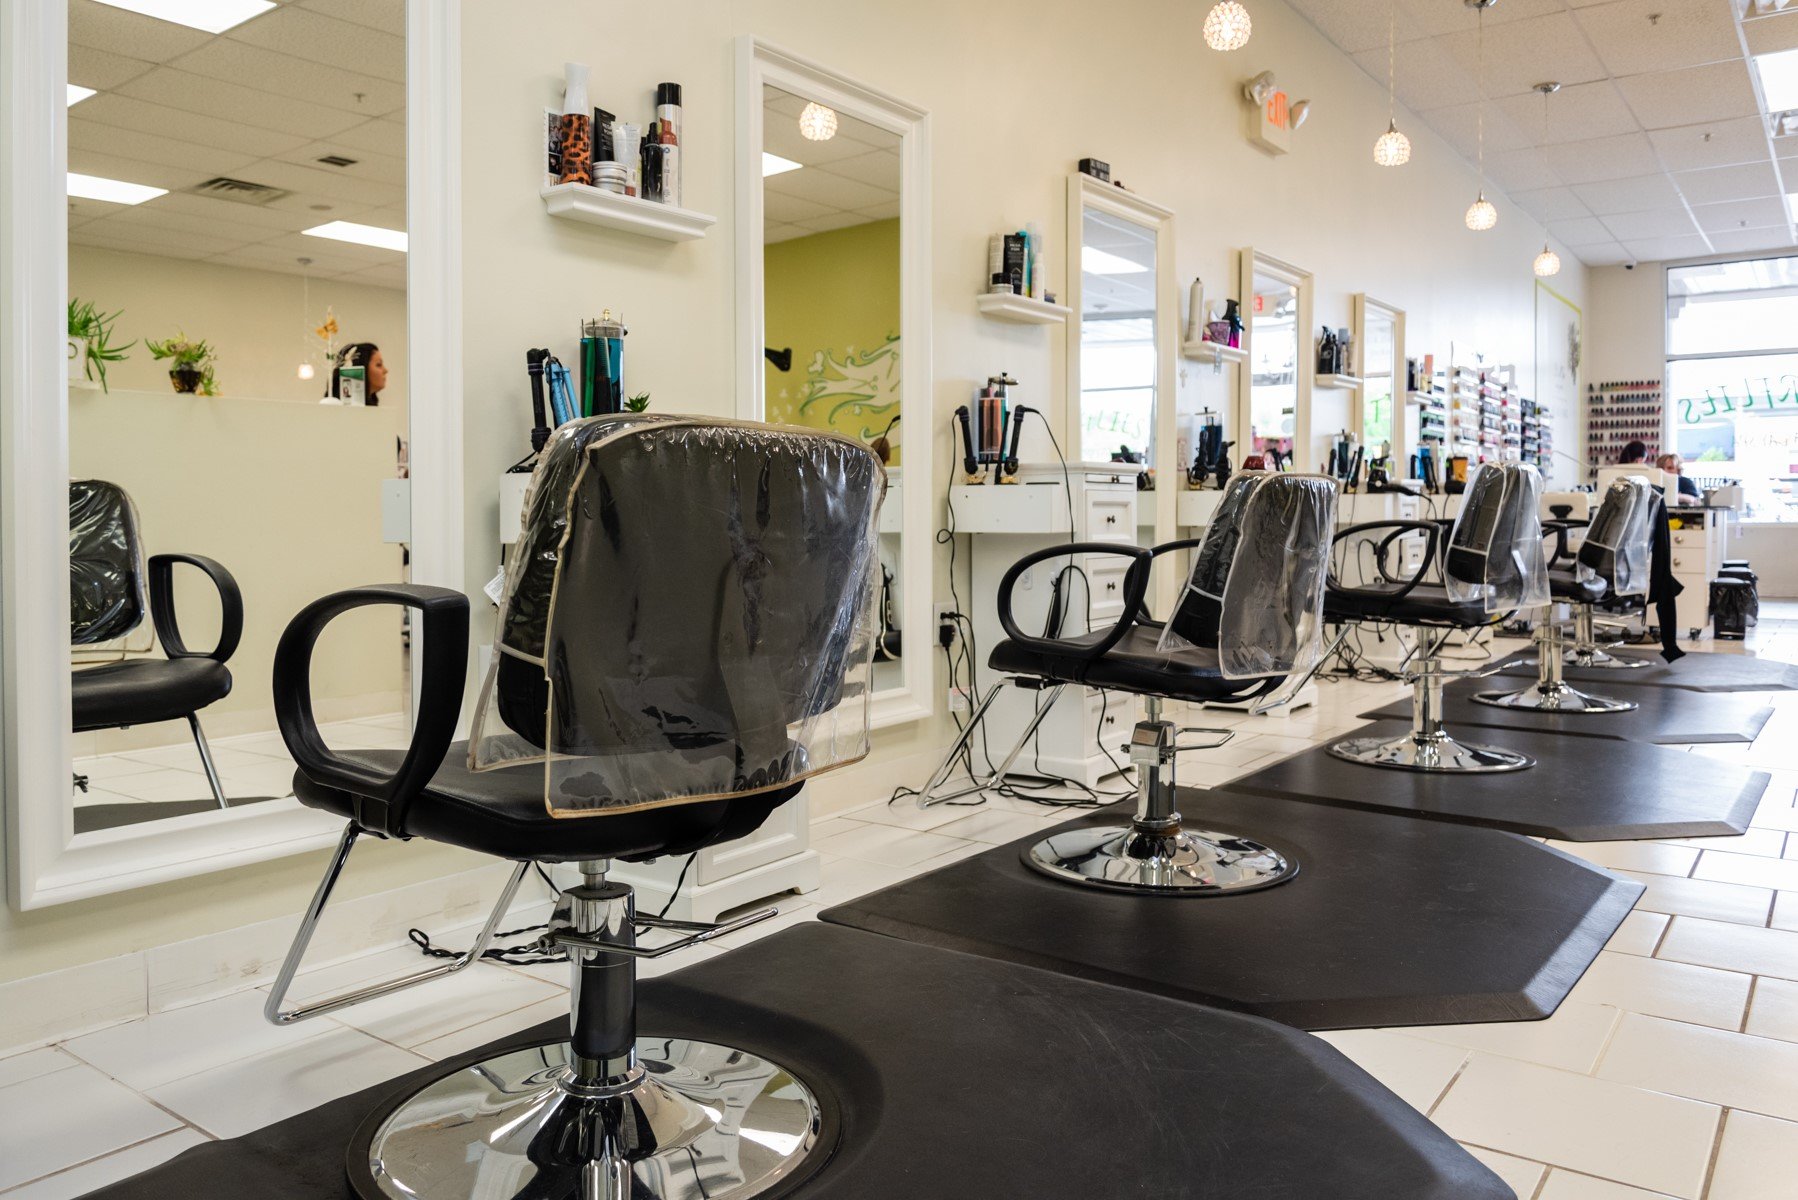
100, 69
1425, 77
171, 176
1520, 170
1459, 125
170, 242
881, 212
247, 106
1636, 36
1750, 241
1628, 195
783, 138
156, 215
377, 168
210, 208
1771, 34
1551, 204
782, 233
324, 183
311, 35
1719, 144
1579, 231
1576, 113
130, 145
380, 137
389, 16
296, 78
1521, 54
1657, 223
1433, 19
103, 27
1664, 99
1738, 215
841, 220
1662, 249
283, 258
831, 190
1617, 157
1353, 25
1747, 181
787, 210
198, 128
879, 168
1603, 254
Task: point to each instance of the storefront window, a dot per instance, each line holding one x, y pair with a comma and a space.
1732, 379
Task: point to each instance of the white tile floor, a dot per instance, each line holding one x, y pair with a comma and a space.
1671, 1071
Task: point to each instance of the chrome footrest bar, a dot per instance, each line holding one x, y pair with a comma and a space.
557, 939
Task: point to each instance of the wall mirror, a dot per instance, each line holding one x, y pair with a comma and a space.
234, 395
1274, 388
833, 303
1379, 332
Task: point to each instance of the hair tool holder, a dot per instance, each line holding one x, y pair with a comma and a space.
990, 432
1345, 461
1211, 453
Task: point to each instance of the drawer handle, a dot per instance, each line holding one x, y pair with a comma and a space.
1111, 519
1676, 564
1111, 585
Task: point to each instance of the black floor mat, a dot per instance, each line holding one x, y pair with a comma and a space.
949, 1076
1582, 789
1389, 921
1662, 716
1703, 671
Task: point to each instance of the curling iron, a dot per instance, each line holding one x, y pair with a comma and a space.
1008, 461
533, 363
970, 461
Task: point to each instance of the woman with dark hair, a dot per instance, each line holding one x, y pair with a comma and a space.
1633, 452
366, 355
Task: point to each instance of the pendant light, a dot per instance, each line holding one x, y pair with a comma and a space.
818, 123
1548, 262
1227, 26
1481, 215
1392, 148
305, 370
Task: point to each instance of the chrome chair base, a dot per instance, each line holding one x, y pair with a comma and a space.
1409, 752
1122, 857
700, 1120
1609, 662
1555, 697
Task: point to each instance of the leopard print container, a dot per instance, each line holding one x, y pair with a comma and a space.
577, 148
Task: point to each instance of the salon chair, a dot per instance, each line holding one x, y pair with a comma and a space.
1630, 547
685, 640
1610, 564
109, 590
1246, 631
1490, 565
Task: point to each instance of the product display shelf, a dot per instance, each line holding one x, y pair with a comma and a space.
1336, 381
1021, 310
1618, 413
1214, 352
593, 206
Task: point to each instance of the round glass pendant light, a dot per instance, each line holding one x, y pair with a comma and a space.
818, 123
304, 371
1227, 26
1547, 263
1481, 215
1393, 149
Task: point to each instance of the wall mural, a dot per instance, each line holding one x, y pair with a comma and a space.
848, 391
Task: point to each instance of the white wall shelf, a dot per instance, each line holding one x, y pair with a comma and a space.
1009, 306
593, 206
1214, 352
1337, 381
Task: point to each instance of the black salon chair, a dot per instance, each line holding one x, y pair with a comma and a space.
1246, 631
109, 590
685, 640
1630, 544
1612, 563
1490, 565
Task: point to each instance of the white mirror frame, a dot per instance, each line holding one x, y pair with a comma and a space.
44, 865
759, 63
1363, 304
1249, 265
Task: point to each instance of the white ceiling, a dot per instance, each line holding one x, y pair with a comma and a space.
852, 179
1657, 145
261, 102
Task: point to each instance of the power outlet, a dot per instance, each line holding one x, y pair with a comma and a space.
958, 700
946, 629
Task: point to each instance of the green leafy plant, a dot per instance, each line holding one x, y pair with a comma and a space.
87, 322
637, 403
193, 363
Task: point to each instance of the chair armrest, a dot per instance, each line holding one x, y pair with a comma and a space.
1136, 582
380, 802
1560, 528
1144, 616
162, 606
1431, 531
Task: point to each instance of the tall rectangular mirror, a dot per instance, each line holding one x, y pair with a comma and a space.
833, 279
1379, 331
1274, 388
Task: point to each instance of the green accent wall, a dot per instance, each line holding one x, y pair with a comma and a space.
834, 299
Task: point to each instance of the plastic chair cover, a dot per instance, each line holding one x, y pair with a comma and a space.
1617, 544
1256, 590
688, 615
106, 563
1494, 553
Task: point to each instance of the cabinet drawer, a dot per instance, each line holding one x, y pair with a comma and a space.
1108, 719
1110, 515
1694, 539
1105, 576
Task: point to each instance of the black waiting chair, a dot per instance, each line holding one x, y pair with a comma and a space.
685, 640
1247, 630
1490, 565
110, 588
1612, 563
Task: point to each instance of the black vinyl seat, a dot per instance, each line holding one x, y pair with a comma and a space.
1569, 586
685, 639
111, 589
1246, 630
1406, 603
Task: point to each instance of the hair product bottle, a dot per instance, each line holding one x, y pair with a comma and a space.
576, 126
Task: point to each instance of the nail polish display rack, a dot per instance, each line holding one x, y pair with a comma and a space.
1538, 436
1621, 412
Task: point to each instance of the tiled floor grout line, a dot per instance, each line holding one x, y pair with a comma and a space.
25, 1183
1710, 1167
1466, 1060
1754, 983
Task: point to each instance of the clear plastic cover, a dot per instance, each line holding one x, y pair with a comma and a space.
1256, 590
1494, 553
1618, 543
106, 563
689, 613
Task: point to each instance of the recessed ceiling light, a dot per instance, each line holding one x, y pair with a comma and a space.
1779, 79
1095, 261
77, 94
774, 164
213, 16
113, 191
362, 235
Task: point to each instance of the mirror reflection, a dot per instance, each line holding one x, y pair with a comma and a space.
830, 288
1274, 367
1380, 400
237, 391
1118, 367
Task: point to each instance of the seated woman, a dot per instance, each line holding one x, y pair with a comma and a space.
1672, 464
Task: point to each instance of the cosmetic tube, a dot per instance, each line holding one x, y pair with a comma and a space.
668, 126
576, 126
627, 143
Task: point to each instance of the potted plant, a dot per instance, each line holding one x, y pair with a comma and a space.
193, 363
637, 403
90, 342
